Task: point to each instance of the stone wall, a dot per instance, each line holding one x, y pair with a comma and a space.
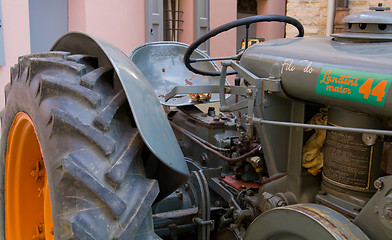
313, 13
363, 5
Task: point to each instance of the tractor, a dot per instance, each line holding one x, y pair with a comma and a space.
96, 144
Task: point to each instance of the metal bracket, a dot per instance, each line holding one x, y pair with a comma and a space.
247, 75
192, 89
272, 85
254, 93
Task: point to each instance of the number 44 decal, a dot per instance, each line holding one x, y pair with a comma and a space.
378, 90
358, 86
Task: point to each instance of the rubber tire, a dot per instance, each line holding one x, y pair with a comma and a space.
92, 150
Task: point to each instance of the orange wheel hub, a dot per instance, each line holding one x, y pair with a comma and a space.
28, 212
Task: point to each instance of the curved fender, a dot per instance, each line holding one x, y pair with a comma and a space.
150, 118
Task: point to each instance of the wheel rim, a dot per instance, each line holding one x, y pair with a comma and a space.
27, 202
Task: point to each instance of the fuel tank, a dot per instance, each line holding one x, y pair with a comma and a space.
352, 75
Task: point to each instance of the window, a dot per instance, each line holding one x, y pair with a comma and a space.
247, 6
172, 19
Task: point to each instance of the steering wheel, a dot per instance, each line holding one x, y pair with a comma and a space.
240, 22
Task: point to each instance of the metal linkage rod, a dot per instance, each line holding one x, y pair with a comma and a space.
323, 127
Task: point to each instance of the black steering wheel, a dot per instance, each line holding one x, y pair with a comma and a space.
240, 22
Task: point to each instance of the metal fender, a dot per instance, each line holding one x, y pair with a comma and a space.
171, 170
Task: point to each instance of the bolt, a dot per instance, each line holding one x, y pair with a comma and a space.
266, 206
235, 216
249, 193
41, 192
237, 81
211, 111
267, 102
249, 91
179, 195
40, 232
203, 158
217, 203
388, 213
378, 184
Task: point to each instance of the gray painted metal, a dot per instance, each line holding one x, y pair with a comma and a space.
373, 26
48, 21
356, 36
2, 54
382, 17
303, 221
375, 217
298, 63
162, 65
147, 111
154, 20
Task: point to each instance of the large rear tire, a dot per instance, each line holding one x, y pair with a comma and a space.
71, 113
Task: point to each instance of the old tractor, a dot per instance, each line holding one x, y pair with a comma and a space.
96, 144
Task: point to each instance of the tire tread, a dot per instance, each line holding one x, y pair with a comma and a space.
78, 143
53, 85
73, 166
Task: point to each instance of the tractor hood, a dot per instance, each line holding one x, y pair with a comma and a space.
350, 75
